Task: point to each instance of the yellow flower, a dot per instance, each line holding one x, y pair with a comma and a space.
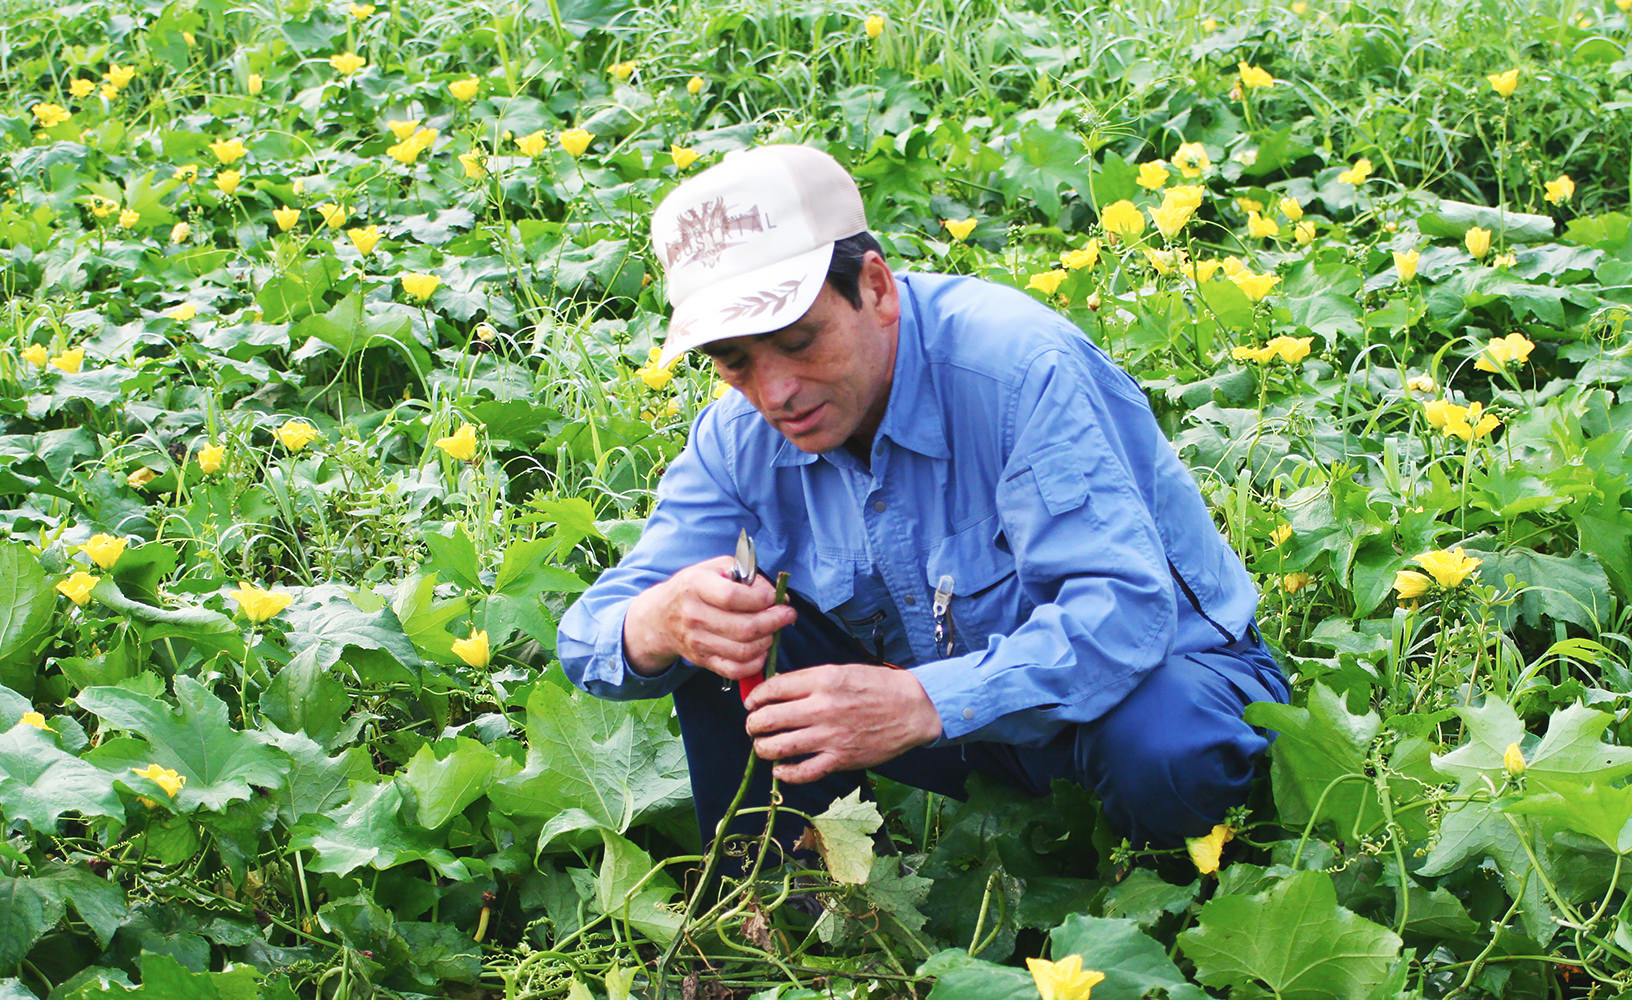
36, 720
361, 10
364, 238
533, 143
347, 63
1300, 8
1560, 189
170, 781
1233, 266
623, 70
1200, 271
1291, 209
105, 549
228, 151
254, 84
875, 25
1256, 286
1210, 25
1513, 760
1122, 219
1468, 424
1406, 264
1205, 851
1421, 383
102, 207
187, 174
694, 85
1152, 175
257, 604
179, 232
108, 91
1448, 567
1249, 205
1184, 196
1291, 583
1280, 534
475, 165
1252, 77
1513, 349
1191, 159
655, 376
461, 444
81, 87
1262, 355
1259, 227
1304, 232
1162, 260
959, 228
298, 186
1410, 585
333, 214
575, 141
285, 218
141, 477
211, 457
466, 89
1357, 173
1047, 282
474, 651
1477, 241
1504, 260
77, 588
1171, 217
1505, 83
1065, 979
1076, 260
683, 156
37, 355
408, 150
296, 434
420, 286
50, 115
119, 76
69, 361
402, 128
227, 181
1292, 349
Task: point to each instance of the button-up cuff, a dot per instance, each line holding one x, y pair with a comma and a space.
606, 672
959, 698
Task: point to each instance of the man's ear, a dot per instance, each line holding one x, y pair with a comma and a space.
877, 285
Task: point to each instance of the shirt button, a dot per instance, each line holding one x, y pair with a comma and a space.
912, 602
968, 713
878, 505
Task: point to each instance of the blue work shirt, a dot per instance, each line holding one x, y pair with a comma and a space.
1015, 458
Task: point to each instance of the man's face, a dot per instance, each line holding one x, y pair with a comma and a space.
824, 379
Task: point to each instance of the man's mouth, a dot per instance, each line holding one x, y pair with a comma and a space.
803, 422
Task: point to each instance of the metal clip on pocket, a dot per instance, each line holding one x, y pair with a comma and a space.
943, 616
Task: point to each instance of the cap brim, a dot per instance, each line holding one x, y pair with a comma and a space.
759, 301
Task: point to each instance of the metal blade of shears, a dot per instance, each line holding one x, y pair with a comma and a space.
745, 564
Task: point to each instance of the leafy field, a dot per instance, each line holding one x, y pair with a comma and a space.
326, 382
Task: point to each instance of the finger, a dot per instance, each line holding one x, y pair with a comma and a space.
813, 769
791, 686
729, 595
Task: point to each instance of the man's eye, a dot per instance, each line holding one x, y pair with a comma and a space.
798, 345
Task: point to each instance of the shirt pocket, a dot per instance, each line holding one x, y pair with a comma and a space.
986, 601
848, 595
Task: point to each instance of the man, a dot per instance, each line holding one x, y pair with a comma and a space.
958, 482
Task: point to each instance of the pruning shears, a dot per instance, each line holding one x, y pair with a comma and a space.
744, 568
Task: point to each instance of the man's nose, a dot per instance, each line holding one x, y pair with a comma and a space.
781, 385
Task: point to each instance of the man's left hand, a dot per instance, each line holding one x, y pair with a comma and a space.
848, 716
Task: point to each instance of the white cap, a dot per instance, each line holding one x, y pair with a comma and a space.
745, 245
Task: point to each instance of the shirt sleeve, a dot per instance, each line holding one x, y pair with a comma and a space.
697, 517
1088, 555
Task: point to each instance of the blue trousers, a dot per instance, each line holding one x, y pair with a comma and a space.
1166, 763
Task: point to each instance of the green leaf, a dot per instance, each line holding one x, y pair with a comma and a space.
844, 836
623, 890
523, 578
370, 831
1318, 760
425, 619
444, 787
314, 782
1293, 939
959, 977
1454, 219
206, 628
1597, 810
303, 698
1571, 754
99, 902
1133, 962
28, 909
1145, 897
453, 555
1042, 161
39, 782
328, 621
27, 600
1571, 589
220, 764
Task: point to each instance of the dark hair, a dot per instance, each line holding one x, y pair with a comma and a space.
844, 273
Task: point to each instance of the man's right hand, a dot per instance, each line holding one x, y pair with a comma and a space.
703, 615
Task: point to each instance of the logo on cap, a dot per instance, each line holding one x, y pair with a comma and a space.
708, 230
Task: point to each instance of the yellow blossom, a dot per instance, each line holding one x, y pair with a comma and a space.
1357, 173
1205, 851
875, 25
181, 312
1162, 261
623, 70
102, 207
211, 457
187, 36
1184, 196
1504, 260
228, 151
141, 477
1065, 979
1304, 232
1280, 534
81, 87
187, 174
475, 650
254, 84
1122, 219
1405, 264
1477, 241
361, 10
420, 286
959, 228
1233, 266
50, 115
1171, 217
37, 355
1253, 77
1076, 260
105, 549
1560, 189
1513, 760
170, 781
1262, 355
475, 165
118, 76
364, 238
77, 588
1256, 286
720, 390
461, 444
1291, 583
1501, 352
36, 720
1470, 422
408, 150
1300, 8
108, 91
1504, 83
1047, 282
1259, 227
1410, 585
227, 181
466, 89
402, 128
69, 361
298, 186
575, 141
1422, 383
694, 85
257, 604
333, 214
1209, 25
347, 63
296, 434
1200, 271
179, 232
1152, 175
533, 143
655, 376
1191, 159
1448, 567
683, 156
1249, 205
285, 218
1291, 209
